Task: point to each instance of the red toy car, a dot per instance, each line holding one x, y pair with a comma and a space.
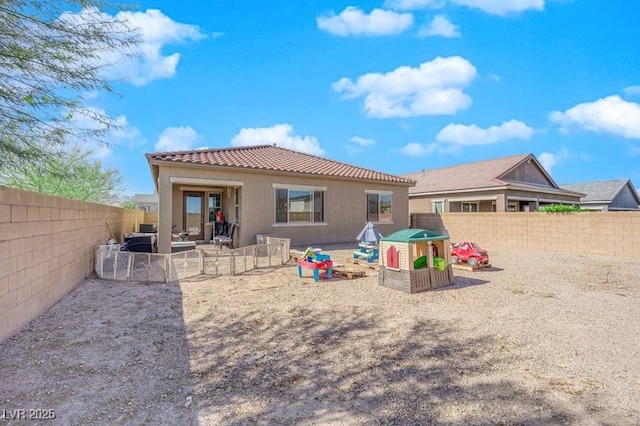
470, 253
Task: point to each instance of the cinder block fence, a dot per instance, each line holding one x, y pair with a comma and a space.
48, 244
47, 248
605, 233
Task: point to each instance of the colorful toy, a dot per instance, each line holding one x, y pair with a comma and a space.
368, 238
319, 263
469, 252
413, 260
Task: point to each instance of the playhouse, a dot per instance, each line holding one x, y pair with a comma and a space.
414, 260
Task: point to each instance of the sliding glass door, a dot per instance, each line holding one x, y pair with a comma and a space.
194, 215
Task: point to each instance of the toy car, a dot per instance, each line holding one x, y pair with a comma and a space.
470, 253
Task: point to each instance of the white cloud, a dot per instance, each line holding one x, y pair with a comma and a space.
353, 21
549, 160
281, 134
363, 142
607, 115
440, 26
415, 149
632, 90
502, 7
116, 130
434, 88
473, 135
146, 61
358, 144
177, 139
90, 95
414, 4
494, 7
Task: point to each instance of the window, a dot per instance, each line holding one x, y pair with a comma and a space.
215, 206
236, 197
437, 206
470, 207
299, 206
379, 207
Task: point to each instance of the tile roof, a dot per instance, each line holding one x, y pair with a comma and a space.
605, 190
274, 158
481, 174
413, 235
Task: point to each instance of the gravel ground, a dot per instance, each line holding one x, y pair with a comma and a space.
540, 338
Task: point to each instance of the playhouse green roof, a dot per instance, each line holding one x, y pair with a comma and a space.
414, 235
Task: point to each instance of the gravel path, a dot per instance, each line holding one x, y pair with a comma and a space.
541, 338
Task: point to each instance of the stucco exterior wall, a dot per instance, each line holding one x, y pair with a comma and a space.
485, 199
47, 248
345, 205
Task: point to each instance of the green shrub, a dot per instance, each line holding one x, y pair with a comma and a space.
561, 208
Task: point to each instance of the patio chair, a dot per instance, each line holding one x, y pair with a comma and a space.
226, 240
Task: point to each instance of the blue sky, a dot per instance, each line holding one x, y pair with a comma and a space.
392, 85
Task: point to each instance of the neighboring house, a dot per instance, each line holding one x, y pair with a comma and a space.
270, 190
516, 184
607, 195
146, 202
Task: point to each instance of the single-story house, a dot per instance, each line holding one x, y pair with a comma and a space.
269, 190
146, 202
509, 184
607, 195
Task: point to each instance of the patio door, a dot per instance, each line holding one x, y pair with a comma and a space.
194, 215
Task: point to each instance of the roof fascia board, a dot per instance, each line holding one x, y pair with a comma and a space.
498, 188
458, 191
545, 190
274, 172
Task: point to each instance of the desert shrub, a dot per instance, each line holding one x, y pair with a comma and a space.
561, 208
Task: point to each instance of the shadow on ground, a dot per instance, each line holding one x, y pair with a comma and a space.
107, 353
462, 282
352, 366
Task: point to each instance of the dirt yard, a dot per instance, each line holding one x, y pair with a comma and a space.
541, 338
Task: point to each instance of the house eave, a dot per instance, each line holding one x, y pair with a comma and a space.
508, 186
169, 163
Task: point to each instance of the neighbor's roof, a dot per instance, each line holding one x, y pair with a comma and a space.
414, 235
274, 158
479, 175
601, 191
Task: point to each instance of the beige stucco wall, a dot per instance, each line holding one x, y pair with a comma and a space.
606, 233
47, 248
423, 204
344, 206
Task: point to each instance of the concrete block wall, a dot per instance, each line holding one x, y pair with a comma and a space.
47, 248
151, 217
606, 233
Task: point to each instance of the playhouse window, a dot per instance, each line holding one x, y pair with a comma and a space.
299, 205
379, 207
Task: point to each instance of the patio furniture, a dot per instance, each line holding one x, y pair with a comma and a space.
226, 240
368, 252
